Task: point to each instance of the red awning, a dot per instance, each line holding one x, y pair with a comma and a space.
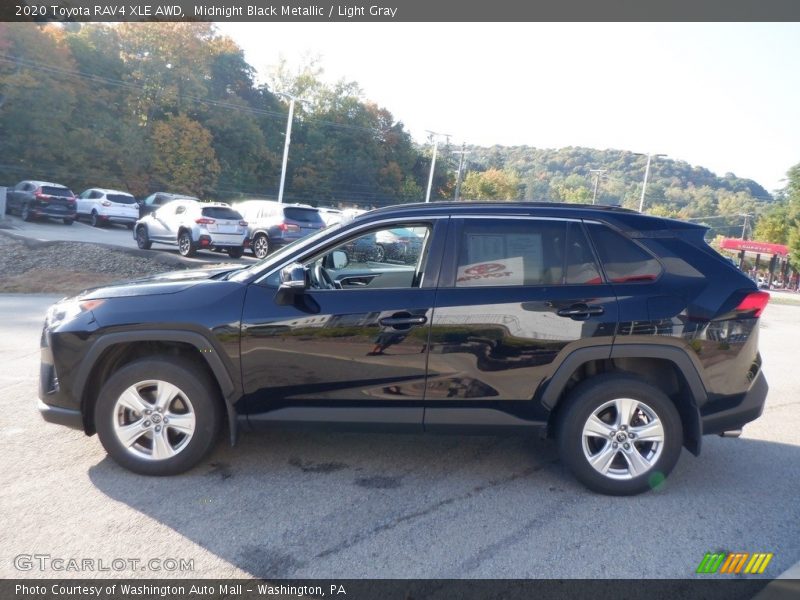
757, 247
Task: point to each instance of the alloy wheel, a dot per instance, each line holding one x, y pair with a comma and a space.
261, 246
154, 420
623, 438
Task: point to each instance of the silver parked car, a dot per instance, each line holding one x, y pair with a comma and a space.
193, 225
272, 225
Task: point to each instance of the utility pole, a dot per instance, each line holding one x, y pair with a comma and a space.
646, 175
597, 174
463, 152
744, 226
292, 100
435, 137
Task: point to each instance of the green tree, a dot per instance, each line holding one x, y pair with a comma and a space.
492, 184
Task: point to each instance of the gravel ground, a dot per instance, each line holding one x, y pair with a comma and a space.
31, 266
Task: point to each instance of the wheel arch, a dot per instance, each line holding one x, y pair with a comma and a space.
666, 367
114, 350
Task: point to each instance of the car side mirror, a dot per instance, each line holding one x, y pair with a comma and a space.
340, 259
294, 277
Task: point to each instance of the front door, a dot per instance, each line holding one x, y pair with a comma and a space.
355, 340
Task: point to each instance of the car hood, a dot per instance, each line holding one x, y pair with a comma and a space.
163, 283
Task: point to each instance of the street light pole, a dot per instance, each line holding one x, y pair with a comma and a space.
597, 174
434, 135
286, 142
646, 175
463, 152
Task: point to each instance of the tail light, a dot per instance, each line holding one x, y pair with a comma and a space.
40, 196
754, 302
204, 221
242, 223
106, 203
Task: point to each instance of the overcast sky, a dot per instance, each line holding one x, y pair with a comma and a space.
724, 96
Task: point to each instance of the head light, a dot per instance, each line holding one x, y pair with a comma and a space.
66, 310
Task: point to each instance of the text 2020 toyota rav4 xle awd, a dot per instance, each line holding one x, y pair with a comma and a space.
622, 336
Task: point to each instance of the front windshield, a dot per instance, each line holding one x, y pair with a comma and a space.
267, 263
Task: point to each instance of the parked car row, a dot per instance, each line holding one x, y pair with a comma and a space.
185, 221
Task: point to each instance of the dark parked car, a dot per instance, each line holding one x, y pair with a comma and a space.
154, 201
401, 244
33, 199
622, 336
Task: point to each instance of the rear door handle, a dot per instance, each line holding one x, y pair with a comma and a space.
580, 312
403, 322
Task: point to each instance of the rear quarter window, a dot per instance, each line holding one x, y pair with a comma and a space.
623, 260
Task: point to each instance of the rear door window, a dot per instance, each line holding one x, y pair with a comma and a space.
623, 260
511, 252
56, 191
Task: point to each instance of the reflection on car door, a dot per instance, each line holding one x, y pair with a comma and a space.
360, 351
516, 294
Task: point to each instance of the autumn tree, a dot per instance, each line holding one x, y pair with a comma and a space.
183, 156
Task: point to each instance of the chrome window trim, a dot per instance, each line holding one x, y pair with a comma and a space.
343, 234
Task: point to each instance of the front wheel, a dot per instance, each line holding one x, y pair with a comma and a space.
157, 416
619, 435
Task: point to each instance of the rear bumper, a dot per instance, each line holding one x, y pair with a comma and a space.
118, 218
53, 213
733, 413
61, 416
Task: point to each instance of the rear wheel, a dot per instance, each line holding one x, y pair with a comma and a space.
142, 239
129, 226
95, 219
156, 416
235, 252
260, 246
186, 246
68, 221
25, 213
619, 435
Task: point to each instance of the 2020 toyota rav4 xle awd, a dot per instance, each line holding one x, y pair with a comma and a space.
622, 336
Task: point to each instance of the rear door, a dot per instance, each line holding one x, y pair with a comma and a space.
517, 295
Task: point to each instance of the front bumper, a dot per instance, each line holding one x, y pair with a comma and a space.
61, 416
733, 413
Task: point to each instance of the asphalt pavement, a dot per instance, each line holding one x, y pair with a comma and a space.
336, 505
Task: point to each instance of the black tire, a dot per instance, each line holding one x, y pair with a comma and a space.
235, 252
379, 254
129, 226
588, 398
68, 221
260, 246
95, 221
25, 212
194, 384
186, 245
142, 239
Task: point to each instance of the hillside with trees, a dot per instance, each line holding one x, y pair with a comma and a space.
175, 106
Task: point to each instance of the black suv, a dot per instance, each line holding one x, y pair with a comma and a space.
33, 199
624, 337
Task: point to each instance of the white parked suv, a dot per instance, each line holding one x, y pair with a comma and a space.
102, 206
193, 225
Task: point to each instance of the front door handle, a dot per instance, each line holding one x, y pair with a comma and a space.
403, 322
580, 312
